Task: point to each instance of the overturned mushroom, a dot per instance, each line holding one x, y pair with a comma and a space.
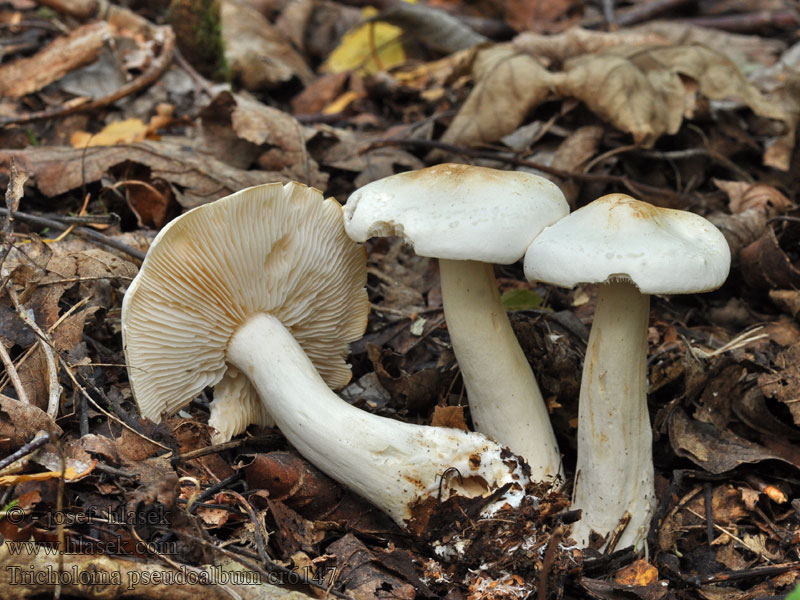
470, 217
633, 249
266, 281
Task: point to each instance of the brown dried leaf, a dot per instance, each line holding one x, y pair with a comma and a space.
80, 47
258, 53
449, 416
784, 384
508, 85
638, 573
362, 575
744, 50
238, 130
19, 422
639, 90
761, 197
319, 93
576, 41
198, 178
33, 375
69, 332
714, 450
99, 444
133, 448
294, 533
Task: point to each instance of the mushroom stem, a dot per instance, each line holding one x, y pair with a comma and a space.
392, 464
504, 399
614, 472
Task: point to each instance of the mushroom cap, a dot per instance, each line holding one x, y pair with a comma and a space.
457, 212
278, 249
661, 250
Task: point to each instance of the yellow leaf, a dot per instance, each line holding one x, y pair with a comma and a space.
638, 573
70, 475
342, 102
369, 48
118, 132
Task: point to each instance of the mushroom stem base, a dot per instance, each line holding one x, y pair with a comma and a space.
614, 471
393, 465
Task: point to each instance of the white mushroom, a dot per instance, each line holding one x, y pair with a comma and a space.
266, 281
633, 249
470, 217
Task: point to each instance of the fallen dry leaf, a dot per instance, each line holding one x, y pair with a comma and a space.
715, 450
508, 84
449, 416
19, 422
639, 573
370, 47
258, 53
198, 178
70, 474
118, 132
240, 131
80, 47
784, 384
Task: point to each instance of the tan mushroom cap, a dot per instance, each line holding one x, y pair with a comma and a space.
277, 249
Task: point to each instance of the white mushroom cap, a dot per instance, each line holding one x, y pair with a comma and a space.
457, 212
276, 249
663, 251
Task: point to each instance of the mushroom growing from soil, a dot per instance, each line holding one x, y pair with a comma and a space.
470, 217
633, 249
266, 281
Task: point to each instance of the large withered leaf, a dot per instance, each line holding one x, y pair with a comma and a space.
508, 85
646, 91
640, 89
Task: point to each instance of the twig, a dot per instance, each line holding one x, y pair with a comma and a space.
206, 451
608, 12
54, 387
68, 368
205, 85
14, 192
208, 492
109, 219
709, 505
549, 557
79, 231
747, 22
645, 11
151, 74
28, 448
730, 534
13, 376
258, 525
738, 575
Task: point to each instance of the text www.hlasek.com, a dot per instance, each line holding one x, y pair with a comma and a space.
71, 546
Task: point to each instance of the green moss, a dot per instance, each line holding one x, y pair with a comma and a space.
198, 30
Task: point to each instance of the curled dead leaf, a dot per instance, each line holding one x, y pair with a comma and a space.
508, 85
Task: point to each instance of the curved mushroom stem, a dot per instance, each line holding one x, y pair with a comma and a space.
504, 399
392, 464
614, 472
